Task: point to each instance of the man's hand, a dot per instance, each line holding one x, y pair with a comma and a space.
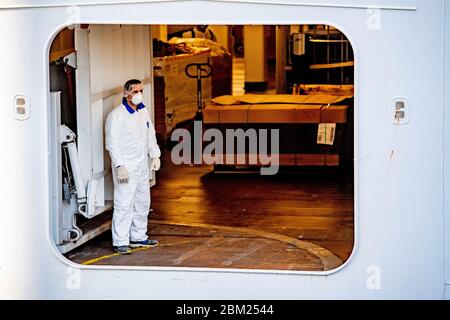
155, 164
122, 174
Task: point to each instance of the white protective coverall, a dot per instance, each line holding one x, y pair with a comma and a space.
131, 141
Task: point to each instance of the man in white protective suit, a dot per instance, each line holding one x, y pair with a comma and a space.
131, 142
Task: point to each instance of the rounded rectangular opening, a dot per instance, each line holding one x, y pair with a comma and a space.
255, 124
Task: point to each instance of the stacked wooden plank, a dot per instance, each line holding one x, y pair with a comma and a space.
298, 119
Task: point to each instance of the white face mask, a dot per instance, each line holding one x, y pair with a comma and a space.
137, 98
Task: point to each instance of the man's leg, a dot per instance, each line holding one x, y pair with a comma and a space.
140, 211
123, 212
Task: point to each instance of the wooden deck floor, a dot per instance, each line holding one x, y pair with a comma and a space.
292, 221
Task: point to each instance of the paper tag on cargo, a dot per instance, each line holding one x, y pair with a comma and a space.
325, 133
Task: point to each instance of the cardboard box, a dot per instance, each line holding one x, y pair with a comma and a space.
281, 108
272, 113
308, 113
333, 114
296, 117
234, 114
212, 114
310, 159
332, 160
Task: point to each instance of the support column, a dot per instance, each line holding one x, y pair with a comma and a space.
221, 33
255, 58
159, 32
280, 77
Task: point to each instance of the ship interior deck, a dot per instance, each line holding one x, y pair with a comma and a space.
300, 220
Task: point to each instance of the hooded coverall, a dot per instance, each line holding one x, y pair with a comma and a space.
131, 140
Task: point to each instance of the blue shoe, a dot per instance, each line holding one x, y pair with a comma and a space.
122, 249
144, 243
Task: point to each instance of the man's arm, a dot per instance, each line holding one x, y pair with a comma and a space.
153, 148
113, 128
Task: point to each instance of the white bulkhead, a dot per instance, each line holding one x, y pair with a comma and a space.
402, 218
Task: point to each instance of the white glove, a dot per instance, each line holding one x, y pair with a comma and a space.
155, 164
122, 174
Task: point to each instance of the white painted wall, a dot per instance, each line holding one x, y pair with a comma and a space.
399, 169
446, 146
115, 54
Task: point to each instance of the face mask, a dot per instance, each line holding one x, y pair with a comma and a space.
137, 98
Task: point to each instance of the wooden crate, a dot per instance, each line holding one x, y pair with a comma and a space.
297, 118
175, 93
